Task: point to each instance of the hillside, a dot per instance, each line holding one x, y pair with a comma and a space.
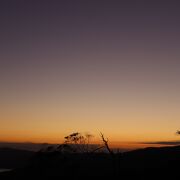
145, 163
14, 158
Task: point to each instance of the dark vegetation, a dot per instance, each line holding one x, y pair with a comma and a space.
14, 158
77, 158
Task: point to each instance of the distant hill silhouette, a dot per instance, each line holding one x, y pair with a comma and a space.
148, 163
24, 145
152, 157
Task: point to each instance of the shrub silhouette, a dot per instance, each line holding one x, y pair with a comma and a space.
178, 132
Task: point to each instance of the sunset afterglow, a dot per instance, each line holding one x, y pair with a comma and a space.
75, 67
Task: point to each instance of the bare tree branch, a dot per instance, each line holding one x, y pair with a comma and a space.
106, 144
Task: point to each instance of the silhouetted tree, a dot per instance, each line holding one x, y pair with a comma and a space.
115, 159
81, 143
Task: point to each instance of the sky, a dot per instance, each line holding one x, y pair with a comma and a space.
89, 66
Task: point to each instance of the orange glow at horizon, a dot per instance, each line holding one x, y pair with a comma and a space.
41, 124
90, 67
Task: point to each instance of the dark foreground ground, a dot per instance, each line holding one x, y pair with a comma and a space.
149, 163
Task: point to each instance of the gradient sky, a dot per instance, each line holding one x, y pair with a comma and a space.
89, 66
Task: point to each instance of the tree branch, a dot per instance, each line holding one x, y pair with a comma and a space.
106, 144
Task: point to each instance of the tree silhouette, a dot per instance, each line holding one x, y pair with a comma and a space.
178, 132
81, 143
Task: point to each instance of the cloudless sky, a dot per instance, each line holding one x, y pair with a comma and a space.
89, 66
